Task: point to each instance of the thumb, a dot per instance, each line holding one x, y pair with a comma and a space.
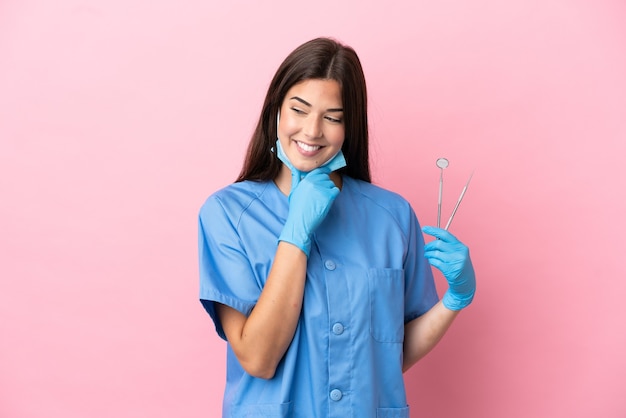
296, 176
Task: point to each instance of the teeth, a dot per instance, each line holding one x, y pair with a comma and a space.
308, 148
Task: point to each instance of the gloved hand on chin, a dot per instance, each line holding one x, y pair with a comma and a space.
310, 199
309, 204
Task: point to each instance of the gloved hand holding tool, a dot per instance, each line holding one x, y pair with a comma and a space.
452, 258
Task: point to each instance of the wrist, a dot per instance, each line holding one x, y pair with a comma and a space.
456, 302
296, 236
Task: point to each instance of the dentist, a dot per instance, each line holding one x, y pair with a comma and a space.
319, 281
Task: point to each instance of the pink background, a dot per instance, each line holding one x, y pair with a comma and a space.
119, 117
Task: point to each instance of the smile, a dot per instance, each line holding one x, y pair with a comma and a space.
306, 147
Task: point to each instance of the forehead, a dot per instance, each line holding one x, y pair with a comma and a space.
317, 92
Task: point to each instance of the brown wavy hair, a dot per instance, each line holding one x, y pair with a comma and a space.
326, 59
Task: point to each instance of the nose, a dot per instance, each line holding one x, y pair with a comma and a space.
312, 127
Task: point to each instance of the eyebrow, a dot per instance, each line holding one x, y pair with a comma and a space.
304, 102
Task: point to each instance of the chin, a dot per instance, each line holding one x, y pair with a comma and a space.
305, 168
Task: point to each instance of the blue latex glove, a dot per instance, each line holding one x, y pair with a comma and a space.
309, 202
452, 258
310, 199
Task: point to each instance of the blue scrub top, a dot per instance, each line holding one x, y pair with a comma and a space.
366, 277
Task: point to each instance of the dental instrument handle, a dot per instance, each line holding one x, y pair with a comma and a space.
439, 201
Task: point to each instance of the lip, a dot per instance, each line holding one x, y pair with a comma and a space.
307, 152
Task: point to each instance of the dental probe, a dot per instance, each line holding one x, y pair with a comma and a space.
458, 202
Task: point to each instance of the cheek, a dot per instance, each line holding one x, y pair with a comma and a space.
337, 137
287, 125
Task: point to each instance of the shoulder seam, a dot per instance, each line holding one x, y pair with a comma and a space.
245, 208
387, 209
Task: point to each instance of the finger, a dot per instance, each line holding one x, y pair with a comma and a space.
443, 246
323, 170
448, 258
433, 245
435, 262
439, 233
295, 178
320, 178
317, 178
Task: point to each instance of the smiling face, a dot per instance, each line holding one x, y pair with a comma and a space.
311, 128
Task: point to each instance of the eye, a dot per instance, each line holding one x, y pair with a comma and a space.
332, 119
298, 111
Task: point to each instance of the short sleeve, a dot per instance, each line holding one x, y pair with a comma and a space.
420, 290
225, 272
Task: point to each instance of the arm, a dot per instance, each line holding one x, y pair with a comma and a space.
424, 332
260, 340
452, 258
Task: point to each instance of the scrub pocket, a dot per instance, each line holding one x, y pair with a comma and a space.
392, 412
282, 410
386, 294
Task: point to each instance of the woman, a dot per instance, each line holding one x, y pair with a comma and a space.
317, 279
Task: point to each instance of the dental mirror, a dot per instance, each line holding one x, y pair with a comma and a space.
441, 163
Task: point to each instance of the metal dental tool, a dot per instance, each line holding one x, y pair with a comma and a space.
441, 163
458, 202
